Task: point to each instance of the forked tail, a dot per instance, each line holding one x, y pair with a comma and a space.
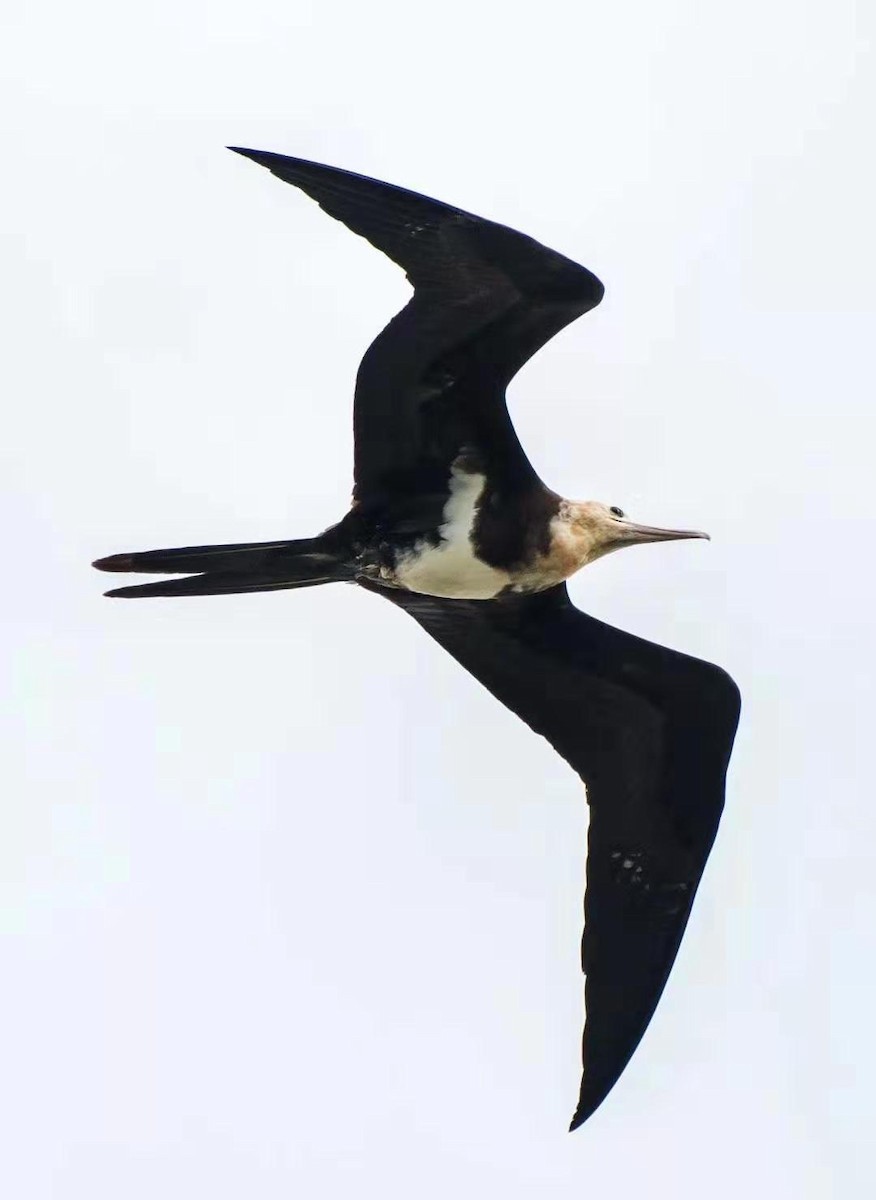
243, 567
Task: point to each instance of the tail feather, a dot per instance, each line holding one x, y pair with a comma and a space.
238, 556
239, 567
217, 583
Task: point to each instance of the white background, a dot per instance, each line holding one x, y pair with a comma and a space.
290, 905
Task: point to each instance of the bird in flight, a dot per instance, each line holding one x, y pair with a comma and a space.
450, 522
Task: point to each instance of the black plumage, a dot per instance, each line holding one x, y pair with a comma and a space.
647, 729
485, 299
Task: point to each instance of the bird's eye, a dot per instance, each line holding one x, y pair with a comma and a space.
616, 512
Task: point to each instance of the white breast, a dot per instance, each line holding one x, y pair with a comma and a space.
451, 568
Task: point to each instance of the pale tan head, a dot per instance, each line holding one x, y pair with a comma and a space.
597, 529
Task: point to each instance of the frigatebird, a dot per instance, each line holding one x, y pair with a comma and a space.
450, 522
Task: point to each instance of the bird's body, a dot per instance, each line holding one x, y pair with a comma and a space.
466, 542
447, 560
450, 522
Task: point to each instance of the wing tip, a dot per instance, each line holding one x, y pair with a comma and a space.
258, 156
587, 1105
270, 159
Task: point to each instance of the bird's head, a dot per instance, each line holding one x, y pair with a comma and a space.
597, 529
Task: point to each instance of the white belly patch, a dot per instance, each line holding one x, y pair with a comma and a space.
451, 568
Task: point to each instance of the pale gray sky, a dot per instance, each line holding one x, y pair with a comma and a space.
290, 905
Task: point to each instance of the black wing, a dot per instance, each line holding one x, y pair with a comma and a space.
485, 299
650, 732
